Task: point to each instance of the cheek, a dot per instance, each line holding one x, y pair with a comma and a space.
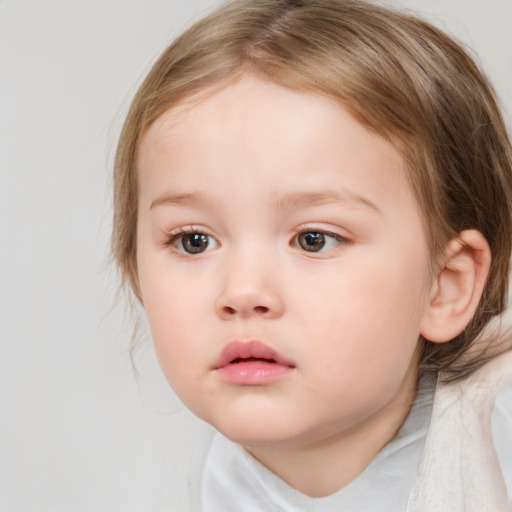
172, 312
371, 320
176, 349
167, 301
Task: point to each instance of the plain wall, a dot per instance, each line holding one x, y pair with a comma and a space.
78, 431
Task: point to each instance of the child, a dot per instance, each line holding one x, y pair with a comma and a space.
313, 206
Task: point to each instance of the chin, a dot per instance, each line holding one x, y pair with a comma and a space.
260, 439
256, 431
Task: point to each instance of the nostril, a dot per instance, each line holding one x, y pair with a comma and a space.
247, 305
257, 309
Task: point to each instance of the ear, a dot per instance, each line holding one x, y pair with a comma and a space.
457, 287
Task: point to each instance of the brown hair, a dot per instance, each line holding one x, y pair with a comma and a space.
400, 76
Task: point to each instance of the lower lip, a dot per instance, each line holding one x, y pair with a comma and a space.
253, 373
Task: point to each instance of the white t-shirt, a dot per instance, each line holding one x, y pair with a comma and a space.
235, 481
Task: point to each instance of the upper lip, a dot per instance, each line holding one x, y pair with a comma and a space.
248, 349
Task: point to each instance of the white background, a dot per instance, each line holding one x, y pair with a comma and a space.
78, 432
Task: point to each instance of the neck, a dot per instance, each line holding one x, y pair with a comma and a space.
324, 467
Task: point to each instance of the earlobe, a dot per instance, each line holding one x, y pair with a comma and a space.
457, 287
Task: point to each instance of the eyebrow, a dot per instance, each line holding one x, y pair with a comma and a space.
170, 199
282, 202
305, 199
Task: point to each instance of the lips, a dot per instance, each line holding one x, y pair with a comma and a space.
251, 363
237, 352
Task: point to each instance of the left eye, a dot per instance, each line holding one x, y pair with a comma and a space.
318, 241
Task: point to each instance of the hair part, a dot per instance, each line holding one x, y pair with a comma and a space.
401, 77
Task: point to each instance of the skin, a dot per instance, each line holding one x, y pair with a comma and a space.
251, 166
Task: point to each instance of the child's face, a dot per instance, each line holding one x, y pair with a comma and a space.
271, 216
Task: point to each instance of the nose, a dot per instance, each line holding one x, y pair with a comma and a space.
249, 289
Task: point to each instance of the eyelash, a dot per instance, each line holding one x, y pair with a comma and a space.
341, 240
175, 238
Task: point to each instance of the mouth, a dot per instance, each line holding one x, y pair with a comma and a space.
251, 363
242, 360
239, 352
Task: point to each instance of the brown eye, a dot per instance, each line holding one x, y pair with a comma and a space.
311, 241
195, 243
189, 241
318, 241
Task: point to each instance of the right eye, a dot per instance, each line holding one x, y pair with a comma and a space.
193, 242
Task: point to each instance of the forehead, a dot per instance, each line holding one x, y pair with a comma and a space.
255, 131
